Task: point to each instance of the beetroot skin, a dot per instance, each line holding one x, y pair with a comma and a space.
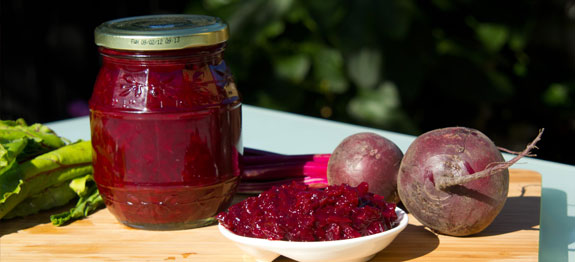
366, 157
439, 156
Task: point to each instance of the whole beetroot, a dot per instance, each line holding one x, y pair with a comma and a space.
454, 180
366, 157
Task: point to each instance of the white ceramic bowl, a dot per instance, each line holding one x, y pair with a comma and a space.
355, 249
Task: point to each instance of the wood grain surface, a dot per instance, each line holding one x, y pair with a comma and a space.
513, 236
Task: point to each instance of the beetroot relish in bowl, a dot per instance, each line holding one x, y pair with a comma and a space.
296, 212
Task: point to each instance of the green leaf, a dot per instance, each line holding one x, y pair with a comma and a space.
502, 84
376, 106
381, 108
393, 17
517, 42
520, 69
17, 122
83, 208
556, 95
444, 5
364, 67
328, 71
81, 185
293, 68
41, 139
492, 36
214, 4
301, 14
9, 152
447, 47
47, 170
248, 18
49, 198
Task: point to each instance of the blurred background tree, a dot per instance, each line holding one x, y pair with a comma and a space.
505, 68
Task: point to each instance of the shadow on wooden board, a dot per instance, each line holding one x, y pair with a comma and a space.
519, 213
14, 225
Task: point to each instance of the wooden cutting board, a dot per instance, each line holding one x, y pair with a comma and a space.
514, 235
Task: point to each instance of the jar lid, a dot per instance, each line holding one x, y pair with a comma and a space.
161, 32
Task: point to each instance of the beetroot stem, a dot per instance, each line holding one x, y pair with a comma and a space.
248, 151
442, 183
257, 187
285, 169
270, 159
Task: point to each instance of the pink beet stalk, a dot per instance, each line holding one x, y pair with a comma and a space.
247, 187
264, 169
287, 169
248, 151
315, 169
265, 159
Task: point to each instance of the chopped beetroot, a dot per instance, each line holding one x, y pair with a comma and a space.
297, 212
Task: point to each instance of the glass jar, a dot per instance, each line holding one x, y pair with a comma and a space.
165, 117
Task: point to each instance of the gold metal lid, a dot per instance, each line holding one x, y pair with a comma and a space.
161, 32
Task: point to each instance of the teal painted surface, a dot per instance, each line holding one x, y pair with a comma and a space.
294, 134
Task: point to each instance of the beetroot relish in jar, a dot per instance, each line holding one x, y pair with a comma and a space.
165, 118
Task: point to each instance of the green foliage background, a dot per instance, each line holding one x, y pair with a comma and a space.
503, 67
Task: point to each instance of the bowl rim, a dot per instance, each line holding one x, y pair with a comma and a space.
402, 217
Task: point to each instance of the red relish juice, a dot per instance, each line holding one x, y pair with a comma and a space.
166, 125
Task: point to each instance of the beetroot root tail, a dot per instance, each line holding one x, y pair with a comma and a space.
442, 183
